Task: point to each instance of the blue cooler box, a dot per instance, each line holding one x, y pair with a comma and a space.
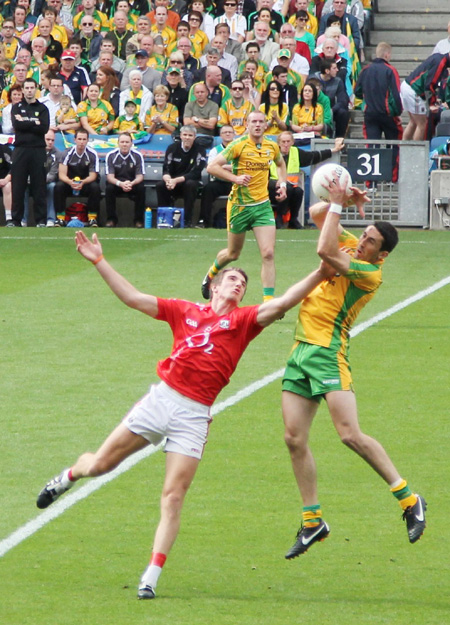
170, 217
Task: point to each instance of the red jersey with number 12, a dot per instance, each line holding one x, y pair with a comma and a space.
206, 347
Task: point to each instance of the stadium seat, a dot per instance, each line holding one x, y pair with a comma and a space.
153, 173
445, 116
443, 128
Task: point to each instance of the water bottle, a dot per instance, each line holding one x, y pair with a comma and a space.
148, 217
76, 191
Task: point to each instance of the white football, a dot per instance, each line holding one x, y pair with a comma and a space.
332, 171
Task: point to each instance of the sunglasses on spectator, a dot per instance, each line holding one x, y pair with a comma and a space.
194, 19
87, 23
273, 88
237, 88
229, 4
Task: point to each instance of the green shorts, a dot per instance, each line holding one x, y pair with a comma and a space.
313, 370
242, 218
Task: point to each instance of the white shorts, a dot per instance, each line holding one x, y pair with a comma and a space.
165, 413
411, 101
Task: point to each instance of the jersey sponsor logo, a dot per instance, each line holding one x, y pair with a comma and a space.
192, 322
224, 324
331, 381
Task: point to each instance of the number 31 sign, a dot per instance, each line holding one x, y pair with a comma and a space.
370, 164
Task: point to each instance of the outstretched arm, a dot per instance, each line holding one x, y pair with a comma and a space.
273, 309
126, 292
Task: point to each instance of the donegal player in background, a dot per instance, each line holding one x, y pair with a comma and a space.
318, 366
248, 204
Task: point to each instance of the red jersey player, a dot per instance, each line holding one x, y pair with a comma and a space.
209, 340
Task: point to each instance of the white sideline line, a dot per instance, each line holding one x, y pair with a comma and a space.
27, 530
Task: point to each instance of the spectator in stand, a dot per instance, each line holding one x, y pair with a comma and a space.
235, 21
19, 76
143, 27
312, 25
129, 122
120, 33
66, 119
290, 93
53, 100
212, 58
330, 52
235, 111
301, 33
150, 77
161, 27
23, 29
225, 61
443, 45
264, 15
182, 170
217, 92
178, 95
275, 110
420, 90
307, 115
334, 32
57, 32
100, 20
172, 16
125, 170
124, 5
298, 63
267, 49
73, 77
199, 39
14, 95
276, 21
108, 45
334, 88
251, 93
295, 159
95, 115
232, 46
89, 38
105, 59
162, 119
63, 18
353, 7
40, 58
106, 79
76, 47
349, 23
202, 113
138, 93
183, 45
10, 42
176, 59
284, 59
78, 175
215, 187
303, 55
252, 52
207, 25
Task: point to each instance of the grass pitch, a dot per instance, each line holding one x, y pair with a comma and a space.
75, 359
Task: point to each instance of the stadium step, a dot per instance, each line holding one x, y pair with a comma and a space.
412, 27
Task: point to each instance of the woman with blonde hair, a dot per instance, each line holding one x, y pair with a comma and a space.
162, 118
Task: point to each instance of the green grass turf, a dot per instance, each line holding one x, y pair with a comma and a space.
75, 359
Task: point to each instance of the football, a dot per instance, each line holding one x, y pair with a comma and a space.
332, 171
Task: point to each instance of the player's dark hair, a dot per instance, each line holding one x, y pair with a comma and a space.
219, 277
389, 234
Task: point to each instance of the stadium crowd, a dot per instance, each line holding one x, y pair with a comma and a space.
128, 66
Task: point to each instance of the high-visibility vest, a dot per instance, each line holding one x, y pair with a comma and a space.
293, 164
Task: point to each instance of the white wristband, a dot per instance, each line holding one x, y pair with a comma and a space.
335, 208
282, 185
118, 183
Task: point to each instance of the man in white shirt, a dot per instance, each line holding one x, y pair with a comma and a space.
227, 61
298, 62
237, 23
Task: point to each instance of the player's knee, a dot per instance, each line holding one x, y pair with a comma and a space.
172, 501
268, 254
233, 255
351, 439
295, 441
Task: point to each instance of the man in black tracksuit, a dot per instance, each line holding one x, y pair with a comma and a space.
379, 86
182, 172
31, 120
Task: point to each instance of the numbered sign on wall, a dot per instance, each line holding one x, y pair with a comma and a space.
370, 164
